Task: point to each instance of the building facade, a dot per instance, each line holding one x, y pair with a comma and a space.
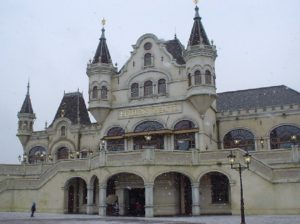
161, 139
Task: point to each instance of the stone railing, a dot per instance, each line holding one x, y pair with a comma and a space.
32, 176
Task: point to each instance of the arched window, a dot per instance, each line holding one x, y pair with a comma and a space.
208, 77
62, 153
239, 138
104, 92
63, 131
148, 128
189, 80
197, 76
284, 136
95, 92
37, 154
148, 59
184, 137
148, 88
116, 143
135, 90
162, 86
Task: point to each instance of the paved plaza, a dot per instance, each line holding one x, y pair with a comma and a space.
45, 218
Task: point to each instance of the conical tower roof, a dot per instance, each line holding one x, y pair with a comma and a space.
198, 35
102, 53
26, 106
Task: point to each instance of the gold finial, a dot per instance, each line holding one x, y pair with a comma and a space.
103, 21
196, 1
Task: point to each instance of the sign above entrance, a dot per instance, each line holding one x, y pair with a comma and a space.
150, 111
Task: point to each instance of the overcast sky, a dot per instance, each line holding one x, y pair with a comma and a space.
51, 41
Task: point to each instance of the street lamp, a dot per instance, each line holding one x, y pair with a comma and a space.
102, 145
240, 168
148, 137
294, 139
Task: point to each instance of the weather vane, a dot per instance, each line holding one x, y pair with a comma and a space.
196, 1
103, 21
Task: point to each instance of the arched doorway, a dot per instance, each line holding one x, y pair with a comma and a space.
125, 195
172, 195
215, 194
75, 196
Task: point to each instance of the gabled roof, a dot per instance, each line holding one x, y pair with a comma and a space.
26, 106
175, 48
74, 108
102, 53
198, 34
257, 98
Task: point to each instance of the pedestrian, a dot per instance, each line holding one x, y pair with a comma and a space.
33, 208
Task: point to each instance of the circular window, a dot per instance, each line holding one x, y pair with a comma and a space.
147, 46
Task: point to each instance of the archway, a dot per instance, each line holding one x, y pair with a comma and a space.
125, 195
215, 194
75, 196
172, 194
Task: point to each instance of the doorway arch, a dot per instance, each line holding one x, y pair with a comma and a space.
172, 194
75, 196
125, 195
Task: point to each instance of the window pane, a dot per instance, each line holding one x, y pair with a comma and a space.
135, 90
104, 92
162, 86
281, 137
207, 77
239, 138
197, 77
147, 59
148, 88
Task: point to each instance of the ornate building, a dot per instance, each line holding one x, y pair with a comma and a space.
161, 140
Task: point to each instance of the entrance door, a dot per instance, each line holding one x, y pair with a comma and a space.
135, 202
71, 200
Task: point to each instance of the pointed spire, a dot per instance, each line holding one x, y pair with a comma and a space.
26, 106
102, 53
198, 35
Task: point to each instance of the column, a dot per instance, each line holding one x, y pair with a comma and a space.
196, 199
89, 206
102, 200
149, 199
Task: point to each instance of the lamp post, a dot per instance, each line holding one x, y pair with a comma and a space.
240, 168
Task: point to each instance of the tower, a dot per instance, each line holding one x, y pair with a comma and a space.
26, 119
200, 58
100, 72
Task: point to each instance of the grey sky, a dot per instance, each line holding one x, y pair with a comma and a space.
50, 42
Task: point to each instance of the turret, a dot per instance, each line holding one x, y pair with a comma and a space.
100, 71
200, 58
26, 120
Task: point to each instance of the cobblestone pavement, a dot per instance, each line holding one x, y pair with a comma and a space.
45, 218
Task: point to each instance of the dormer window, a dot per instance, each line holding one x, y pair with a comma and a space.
95, 92
162, 86
63, 131
147, 59
148, 88
103, 92
135, 90
197, 76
